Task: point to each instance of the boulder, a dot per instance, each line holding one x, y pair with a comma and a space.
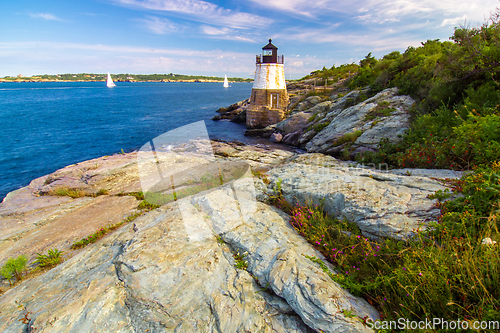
276, 137
306, 137
241, 117
292, 139
235, 112
320, 107
263, 132
307, 103
370, 119
383, 203
294, 123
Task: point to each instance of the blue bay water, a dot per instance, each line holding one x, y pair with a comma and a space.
48, 125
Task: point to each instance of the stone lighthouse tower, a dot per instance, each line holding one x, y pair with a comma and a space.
269, 97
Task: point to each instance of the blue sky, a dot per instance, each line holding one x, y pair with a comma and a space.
217, 37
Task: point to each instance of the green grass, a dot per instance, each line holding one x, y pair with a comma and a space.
94, 237
146, 205
75, 192
381, 110
319, 127
311, 118
262, 175
240, 262
348, 137
138, 195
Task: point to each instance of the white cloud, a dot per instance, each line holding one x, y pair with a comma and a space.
385, 10
45, 16
32, 58
214, 31
201, 11
454, 21
118, 49
226, 34
375, 41
158, 25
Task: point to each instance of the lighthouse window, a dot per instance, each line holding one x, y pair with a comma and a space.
268, 52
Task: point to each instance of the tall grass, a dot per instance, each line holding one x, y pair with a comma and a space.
443, 272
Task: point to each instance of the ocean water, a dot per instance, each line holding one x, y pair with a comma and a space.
48, 125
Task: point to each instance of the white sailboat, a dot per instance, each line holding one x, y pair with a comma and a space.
226, 83
110, 82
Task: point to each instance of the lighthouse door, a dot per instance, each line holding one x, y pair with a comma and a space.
274, 101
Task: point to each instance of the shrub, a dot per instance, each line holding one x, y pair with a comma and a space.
458, 139
435, 274
442, 272
348, 137
14, 268
319, 127
51, 259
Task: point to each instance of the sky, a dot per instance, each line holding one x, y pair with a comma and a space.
216, 37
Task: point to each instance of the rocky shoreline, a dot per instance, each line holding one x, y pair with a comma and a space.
176, 267
340, 123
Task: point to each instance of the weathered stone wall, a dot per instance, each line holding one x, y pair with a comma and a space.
261, 116
263, 97
261, 113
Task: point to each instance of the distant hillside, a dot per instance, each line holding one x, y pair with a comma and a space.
121, 78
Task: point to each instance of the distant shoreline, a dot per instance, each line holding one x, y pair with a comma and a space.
165, 81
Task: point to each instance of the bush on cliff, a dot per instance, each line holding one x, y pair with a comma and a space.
452, 269
446, 271
457, 89
14, 268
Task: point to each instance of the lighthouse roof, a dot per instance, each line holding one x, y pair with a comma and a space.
269, 46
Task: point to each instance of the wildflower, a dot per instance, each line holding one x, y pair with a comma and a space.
420, 274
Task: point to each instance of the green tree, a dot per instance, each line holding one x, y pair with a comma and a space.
14, 268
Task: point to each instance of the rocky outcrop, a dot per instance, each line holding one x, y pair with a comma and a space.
307, 103
383, 203
347, 124
235, 112
384, 116
217, 261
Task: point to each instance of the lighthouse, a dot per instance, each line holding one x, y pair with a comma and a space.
269, 98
